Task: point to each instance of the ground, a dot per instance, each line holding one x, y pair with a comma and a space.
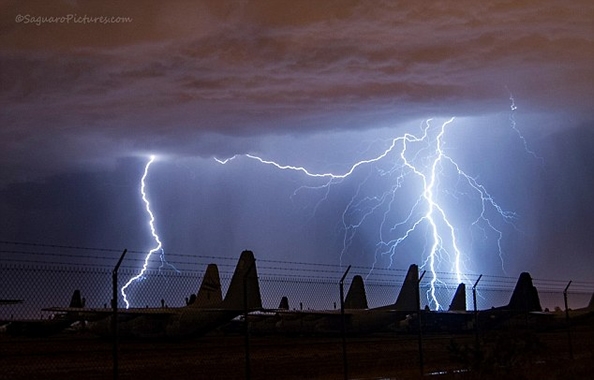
504, 354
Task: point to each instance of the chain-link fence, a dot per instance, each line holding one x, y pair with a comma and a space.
311, 339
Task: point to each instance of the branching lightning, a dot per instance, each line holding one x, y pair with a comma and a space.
514, 126
158, 247
423, 160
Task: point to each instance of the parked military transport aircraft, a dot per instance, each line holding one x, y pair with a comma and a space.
207, 312
577, 315
356, 297
9, 302
44, 327
455, 319
357, 320
584, 310
267, 321
210, 289
260, 322
523, 309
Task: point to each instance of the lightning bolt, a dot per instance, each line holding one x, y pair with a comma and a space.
422, 157
512, 120
158, 245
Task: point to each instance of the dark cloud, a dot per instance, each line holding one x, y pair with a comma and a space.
181, 71
310, 82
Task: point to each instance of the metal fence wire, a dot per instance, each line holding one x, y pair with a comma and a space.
422, 340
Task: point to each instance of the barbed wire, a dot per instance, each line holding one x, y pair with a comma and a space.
298, 269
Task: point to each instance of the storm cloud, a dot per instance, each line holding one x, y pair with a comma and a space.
187, 79
84, 102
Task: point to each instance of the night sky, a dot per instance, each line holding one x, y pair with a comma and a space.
315, 84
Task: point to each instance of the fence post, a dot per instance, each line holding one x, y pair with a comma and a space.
420, 311
476, 324
345, 366
248, 371
114, 317
567, 322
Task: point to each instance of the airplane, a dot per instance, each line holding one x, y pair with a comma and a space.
9, 302
44, 327
260, 322
356, 297
210, 289
207, 312
358, 317
523, 309
459, 300
584, 310
455, 319
266, 321
576, 315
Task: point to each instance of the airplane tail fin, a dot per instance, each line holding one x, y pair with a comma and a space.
284, 303
459, 300
407, 298
244, 283
525, 296
356, 297
76, 300
210, 288
591, 304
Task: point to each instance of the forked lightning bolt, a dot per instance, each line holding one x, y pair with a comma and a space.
512, 120
158, 247
424, 160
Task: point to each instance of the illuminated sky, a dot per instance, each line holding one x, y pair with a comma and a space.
304, 83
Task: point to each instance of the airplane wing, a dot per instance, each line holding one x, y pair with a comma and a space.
135, 311
99, 313
311, 313
10, 302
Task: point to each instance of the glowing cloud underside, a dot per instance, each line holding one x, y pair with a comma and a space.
423, 160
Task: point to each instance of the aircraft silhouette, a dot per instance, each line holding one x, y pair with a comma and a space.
269, 321
523, 309
44, 327
358, 318
199, 317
